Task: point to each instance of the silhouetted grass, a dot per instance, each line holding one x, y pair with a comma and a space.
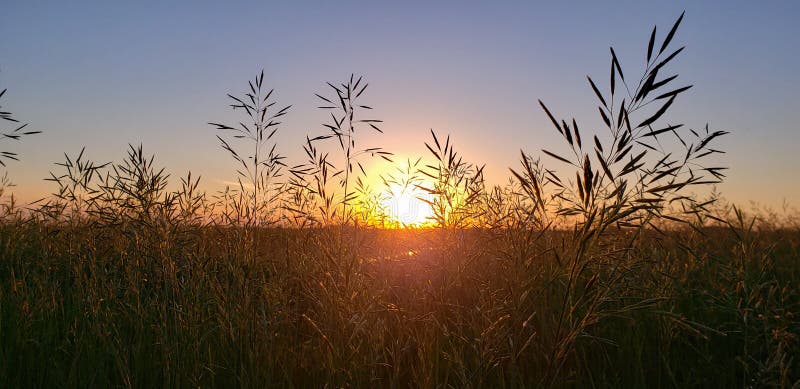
618, 277
137, 306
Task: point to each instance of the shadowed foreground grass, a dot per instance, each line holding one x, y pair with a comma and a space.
144, 306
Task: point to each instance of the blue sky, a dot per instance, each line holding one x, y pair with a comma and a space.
105, 74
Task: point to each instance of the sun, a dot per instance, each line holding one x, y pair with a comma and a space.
405, 206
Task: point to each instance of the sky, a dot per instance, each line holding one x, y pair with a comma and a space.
101, 75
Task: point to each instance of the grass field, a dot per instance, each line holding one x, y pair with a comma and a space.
199, 307
631, 273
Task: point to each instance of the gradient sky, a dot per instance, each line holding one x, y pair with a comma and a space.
105, 74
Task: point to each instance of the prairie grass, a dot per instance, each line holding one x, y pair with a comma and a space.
618, 277
130, 305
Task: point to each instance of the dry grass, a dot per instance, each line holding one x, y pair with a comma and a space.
614, 278
130, 305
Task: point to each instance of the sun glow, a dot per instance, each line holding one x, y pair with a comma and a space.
405, 205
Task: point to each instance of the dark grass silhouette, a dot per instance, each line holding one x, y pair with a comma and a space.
618, 277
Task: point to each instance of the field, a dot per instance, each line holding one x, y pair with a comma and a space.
200, 307
620, 267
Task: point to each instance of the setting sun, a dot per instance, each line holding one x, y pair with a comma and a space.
405, 205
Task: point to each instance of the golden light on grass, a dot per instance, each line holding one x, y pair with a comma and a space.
407, 206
